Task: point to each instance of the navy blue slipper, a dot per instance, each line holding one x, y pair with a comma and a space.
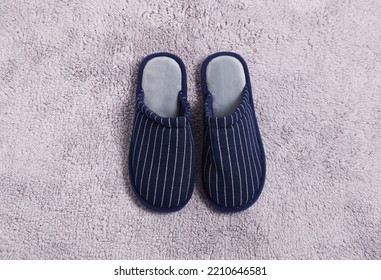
161, 158
234, 164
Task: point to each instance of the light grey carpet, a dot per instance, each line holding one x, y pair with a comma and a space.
67, 85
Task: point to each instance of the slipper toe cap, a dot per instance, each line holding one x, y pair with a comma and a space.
162, 162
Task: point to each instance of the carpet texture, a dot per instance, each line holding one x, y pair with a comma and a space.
67, 86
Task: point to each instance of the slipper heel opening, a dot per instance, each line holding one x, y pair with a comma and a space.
225, 79
161, 83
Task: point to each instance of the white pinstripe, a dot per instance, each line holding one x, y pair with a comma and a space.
150, 170
158, 168
190, 164
145, 157
210, 186
244, 163
206, 160
222, 163
230, 161
140, 151
239, 168
166, 165
136, 138
182, 168
215, 164
174, 169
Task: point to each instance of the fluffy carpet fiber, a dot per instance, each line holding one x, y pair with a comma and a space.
67, 86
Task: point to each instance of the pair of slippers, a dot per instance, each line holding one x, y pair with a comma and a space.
162, 152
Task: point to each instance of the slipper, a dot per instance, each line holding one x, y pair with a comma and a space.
161, 158
234, 165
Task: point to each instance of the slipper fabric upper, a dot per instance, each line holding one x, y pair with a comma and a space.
161, 159
233, 158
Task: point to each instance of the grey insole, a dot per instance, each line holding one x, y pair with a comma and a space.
225, 80
161, 83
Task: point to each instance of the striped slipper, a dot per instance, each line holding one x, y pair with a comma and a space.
233, 159
161, 158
